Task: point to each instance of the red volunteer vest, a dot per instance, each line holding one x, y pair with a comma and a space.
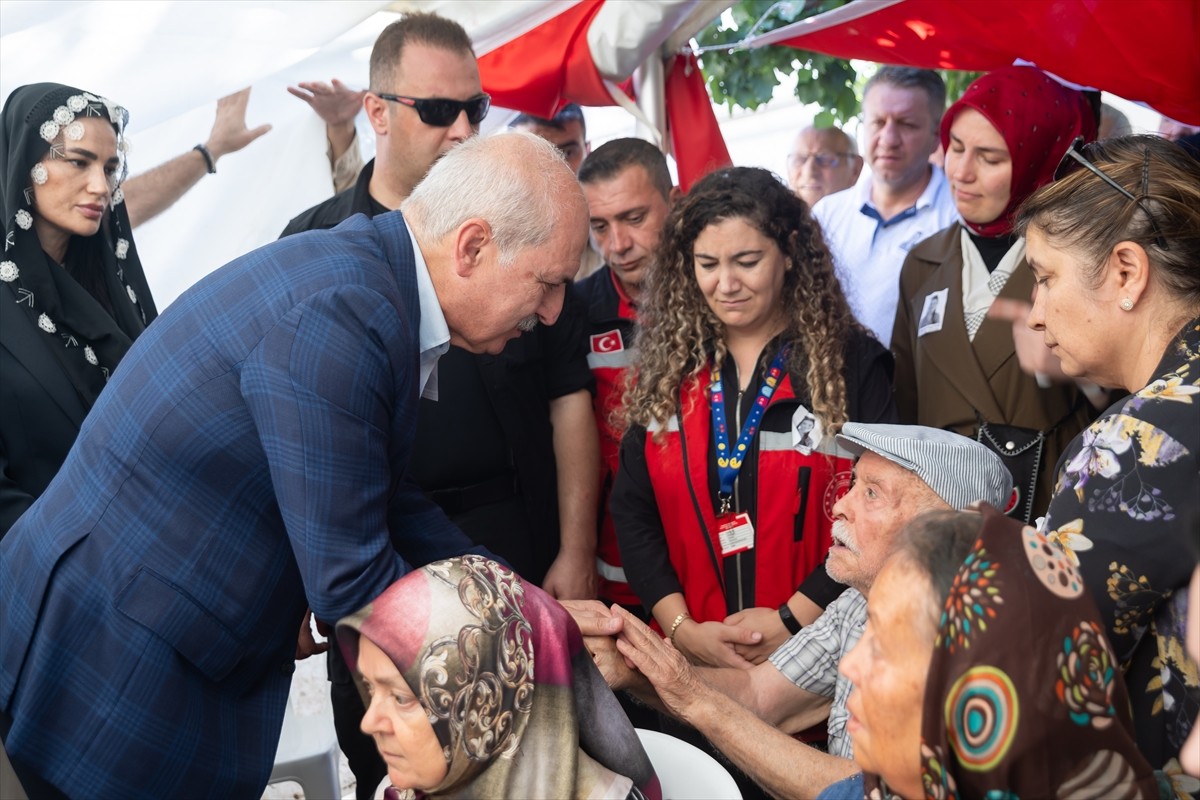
679, 470
609, 356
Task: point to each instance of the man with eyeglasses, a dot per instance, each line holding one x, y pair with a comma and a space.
509, 447
822, 161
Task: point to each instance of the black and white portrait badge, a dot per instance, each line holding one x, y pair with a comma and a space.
933, 312
807, 431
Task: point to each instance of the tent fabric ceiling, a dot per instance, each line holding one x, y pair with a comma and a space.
169, 60
569, 58
1148, 51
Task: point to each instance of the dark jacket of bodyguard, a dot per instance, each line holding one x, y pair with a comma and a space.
245, 461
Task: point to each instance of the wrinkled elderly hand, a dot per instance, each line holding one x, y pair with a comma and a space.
618, 671
1033, 355
593, 617
673, 678
335, 102
767, 622
599, 625
229, 132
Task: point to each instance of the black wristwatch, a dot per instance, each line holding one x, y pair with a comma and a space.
789, 619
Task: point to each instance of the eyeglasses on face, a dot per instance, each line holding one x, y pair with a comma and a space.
441, 112
822, 160
1080, 155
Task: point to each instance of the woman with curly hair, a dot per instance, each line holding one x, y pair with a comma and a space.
749, 362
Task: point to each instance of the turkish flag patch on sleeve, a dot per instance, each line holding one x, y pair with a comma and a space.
609, 342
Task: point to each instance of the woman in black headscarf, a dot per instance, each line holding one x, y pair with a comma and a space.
71, 284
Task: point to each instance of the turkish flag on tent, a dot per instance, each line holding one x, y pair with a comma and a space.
696, 138
541, 71
1147, 51
553, 64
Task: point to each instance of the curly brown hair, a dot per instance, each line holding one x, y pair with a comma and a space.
680, 333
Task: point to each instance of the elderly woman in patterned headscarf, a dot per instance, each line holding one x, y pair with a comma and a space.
477, 685
984, 672
71, 284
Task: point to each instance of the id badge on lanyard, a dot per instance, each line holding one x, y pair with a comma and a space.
735, 531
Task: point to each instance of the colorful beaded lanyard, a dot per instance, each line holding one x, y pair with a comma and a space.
729, 463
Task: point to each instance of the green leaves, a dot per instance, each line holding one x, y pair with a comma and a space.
747, 78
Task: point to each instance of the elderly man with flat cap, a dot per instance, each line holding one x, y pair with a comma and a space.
900, 472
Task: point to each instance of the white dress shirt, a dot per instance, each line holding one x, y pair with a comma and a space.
433, 336
869, 251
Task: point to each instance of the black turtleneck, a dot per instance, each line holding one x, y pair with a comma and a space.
992, 248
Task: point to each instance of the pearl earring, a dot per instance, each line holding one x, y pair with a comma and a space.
1127, 304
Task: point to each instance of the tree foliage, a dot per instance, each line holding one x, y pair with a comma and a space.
747, 78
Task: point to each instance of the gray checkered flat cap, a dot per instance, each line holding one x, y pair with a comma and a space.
960, 470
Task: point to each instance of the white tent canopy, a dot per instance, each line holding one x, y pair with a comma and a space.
168, 61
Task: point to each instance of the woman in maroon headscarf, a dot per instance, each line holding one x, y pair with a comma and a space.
955, 367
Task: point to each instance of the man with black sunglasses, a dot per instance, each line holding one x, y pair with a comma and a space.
425, 97
509, 449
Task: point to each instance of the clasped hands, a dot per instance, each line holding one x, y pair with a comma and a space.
633, 658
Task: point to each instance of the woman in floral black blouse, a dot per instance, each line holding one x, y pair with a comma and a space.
1114, 245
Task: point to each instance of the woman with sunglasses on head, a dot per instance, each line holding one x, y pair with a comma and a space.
956, 367
73, 291
1114, 250
749, 362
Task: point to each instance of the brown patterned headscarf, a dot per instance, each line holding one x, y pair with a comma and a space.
500, 669
1024, 697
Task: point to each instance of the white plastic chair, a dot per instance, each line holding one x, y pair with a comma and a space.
308, 752
686, 772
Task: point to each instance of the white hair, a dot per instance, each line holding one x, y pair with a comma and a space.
846, 140
513, 180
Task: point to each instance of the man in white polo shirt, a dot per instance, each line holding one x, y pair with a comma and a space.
871, 227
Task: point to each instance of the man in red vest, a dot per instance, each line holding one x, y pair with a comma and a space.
629, 194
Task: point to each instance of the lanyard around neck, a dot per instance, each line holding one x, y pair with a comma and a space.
730, 462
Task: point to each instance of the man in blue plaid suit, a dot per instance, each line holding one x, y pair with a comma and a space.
245, 461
